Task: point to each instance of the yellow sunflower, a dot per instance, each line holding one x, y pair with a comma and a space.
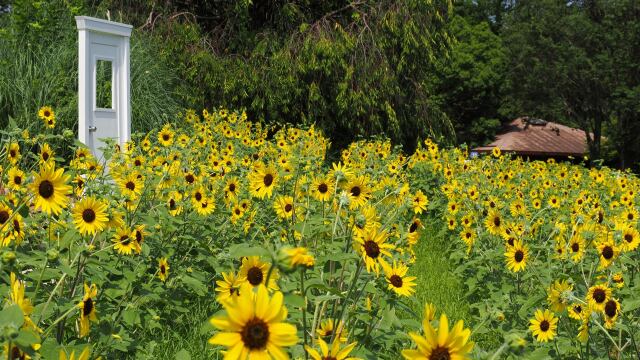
50, 189
13, 152
15, 179
255, 272
398, 280
173, 203
419, 202
558, 295
90, 216
87, 309
630, 238
611, 312
543, 325
262, 181
228, 287
358, 191
166, 136
516, 256
254, 326
322, 188
46, 154
131, 185
125, 243
47, 115
608, 252
327, 329
163, 269
494, 222
597, 297
283, 205
337, 352
441, 343
373, 247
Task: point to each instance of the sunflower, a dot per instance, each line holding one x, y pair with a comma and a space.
139, 233
125, 242
516, 256
577, 311
398, 281
84, 355
173, 203
322, 188
205, 206
131, 185
255, 272
163, 269
328, 330
50, 189
231, 189
254, 327
298, 256
543, 325
373, 247
496, 152
558, 295
631, 239
16, 296
15, 179
262, 181
611, 312
358, 191
46, 154
441, 343
576, 247
13, 152
228, 287
597, 297
90, 216
47, 115
494, 222
283, 205
608, 252
618, 279
337, 352
87, 309
166, 136
419, 202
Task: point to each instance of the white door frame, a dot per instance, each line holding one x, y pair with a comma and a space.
100, 39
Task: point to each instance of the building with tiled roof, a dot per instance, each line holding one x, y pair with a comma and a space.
537, 138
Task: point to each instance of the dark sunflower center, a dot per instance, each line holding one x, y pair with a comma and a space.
47, 113
519, 256
165, 137
16, 225
440, 353
88, 215
12, 153
18, 180
323, 188
88, 307
139, 236
45, 156
254, 276
190, 178
355, 191
372, 249
232, 187
329, 358
628, 238
137, 162
255, 334
630, 216
599, 295
198, 196
268, 180
125, 240
172, 204
611, 308
45, 189
4, 216
396, 281
496, 221
510, 241
575, 247
288, 208
544, 325
163, 269
130, 185
413, 227
607, 252
577, 309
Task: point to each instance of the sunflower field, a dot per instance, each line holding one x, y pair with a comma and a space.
300, 257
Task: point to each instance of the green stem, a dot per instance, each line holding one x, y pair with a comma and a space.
304, 310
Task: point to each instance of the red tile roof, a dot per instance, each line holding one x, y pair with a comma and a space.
522, 137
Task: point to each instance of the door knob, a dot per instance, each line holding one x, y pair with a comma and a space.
92, 129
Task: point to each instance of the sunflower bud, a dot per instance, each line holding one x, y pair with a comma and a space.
8, 257
52, 255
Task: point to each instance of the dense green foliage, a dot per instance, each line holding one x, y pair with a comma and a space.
408, 70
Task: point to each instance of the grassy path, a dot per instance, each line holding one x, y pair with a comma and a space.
436, 281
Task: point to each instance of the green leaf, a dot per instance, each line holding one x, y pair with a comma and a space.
12, 315
183, 355
242, 250
26, 338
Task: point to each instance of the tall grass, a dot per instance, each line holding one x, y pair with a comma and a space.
33, 75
